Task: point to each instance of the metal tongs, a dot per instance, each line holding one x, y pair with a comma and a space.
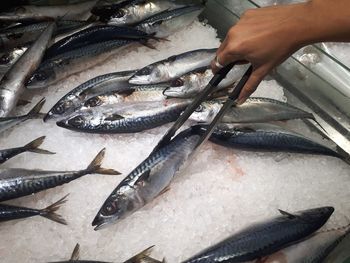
213, 83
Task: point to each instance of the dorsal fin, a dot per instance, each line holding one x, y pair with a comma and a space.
289, 215
75, 253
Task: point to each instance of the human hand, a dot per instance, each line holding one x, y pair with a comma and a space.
264, 37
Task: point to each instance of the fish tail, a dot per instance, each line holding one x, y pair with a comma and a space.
33, 146
145, 43
152, 36
95, 165
35, 112
50, 211
143, 256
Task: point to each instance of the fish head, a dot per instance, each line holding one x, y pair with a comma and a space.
206, 112
118, 205
147, 75
76, 122
41, 78
318, 215
62, 108
177, 89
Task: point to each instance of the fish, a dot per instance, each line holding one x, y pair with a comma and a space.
173, 67
192, 83
32, 146
149, 179
129, 94
104, 9
66, 64
21, 35
138, 11
79, 11
7, 59
254, 110
9, 122
128, 117
76, 97
12, 83
9, 212
16, 183
93, 35
312, 250
265, 238
170, 21
267, 137
141, 257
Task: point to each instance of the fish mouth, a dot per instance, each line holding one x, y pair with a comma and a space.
100, 222
48, 116
139, 80
172, 92
61, 124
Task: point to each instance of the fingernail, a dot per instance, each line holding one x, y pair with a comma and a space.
241, 101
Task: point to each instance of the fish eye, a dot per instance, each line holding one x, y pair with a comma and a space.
120, 13
177, 83
76, 121
200, 108
5, 59
59, 109
145, 71
40, 76
110, 209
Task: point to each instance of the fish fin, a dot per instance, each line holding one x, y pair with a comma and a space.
144, 176
152, 36
36, 109
50, 211
138, 258
148, 259
95, 165
33, 146
166, 189
114, 117
21, 102
76, 253
147, 44
289, 215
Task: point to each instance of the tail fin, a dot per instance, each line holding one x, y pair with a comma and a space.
33, 146
143, 256
50, 211
145, 43
75, 253
34, 113
95, 165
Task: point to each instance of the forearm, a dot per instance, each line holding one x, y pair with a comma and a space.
326, 20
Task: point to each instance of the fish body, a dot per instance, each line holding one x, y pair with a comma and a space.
9, 212
79, 11
105, 9
148, 180
93, 35
138, 11
126, 117
192, 83
12, 83
16, 183
253, 110
76, 97
265, 238
170, 21
9, 122
26, 34
6, 154
64, 65
312, 250
129, 94
173, 67
8, 58
267, 137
